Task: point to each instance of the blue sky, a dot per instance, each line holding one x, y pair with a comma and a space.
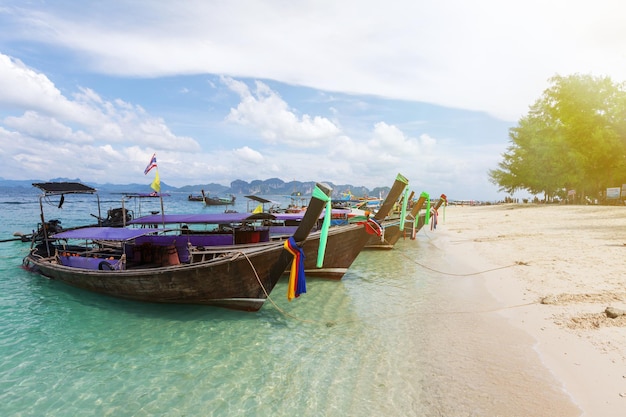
351, 92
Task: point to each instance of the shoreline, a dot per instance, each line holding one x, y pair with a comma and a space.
555, 269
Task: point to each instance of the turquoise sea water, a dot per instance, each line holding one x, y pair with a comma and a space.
389, 339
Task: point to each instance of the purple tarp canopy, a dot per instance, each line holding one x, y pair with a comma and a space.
105, 233
220, 218
204, 218
145, 195
298, 215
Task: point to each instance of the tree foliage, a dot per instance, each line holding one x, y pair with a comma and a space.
573, 138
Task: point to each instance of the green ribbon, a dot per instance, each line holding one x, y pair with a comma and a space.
405, 202
319, 194
427, 216
402, 178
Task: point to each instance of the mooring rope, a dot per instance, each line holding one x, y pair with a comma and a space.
280, 310
517, 263
333, 323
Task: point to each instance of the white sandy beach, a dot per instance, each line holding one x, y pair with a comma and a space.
555, 269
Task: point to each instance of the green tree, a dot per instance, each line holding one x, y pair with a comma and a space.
574, 137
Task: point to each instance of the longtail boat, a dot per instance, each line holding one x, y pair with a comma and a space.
328, 252
425, 217
345, 242
213, 201
395, 228
145, 264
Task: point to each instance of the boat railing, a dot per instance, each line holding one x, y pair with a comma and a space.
207, 255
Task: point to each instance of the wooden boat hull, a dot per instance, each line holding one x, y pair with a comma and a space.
212, 201
218, 202
391, 228
343, 245
391, 234
208, 283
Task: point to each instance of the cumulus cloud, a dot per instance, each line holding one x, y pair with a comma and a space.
247, 154
86, 116
427, 141
26, 89
45, 122
387, 148
46, 128
153, 132
391, 139
264, 110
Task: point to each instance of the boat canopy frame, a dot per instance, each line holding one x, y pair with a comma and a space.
61, 188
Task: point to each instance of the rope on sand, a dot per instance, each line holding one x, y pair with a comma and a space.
517, 263
335, 322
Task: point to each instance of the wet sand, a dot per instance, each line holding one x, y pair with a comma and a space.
551, 272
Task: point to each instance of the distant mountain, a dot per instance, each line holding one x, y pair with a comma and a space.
271, 186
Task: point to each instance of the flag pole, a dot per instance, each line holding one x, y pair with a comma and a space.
156, 183
161, 198
162, 212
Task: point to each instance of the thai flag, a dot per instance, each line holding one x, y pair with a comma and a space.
151, 165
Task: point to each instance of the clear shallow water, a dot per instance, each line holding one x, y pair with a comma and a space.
391, 338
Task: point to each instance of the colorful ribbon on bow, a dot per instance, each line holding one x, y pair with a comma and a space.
372, 226
297, 280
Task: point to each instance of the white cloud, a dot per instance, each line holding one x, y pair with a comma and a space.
86, 116
427, 141
264, 110
388, 138
483, 55
249, 155
154, 132
46, 128
388, 149
26, 89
